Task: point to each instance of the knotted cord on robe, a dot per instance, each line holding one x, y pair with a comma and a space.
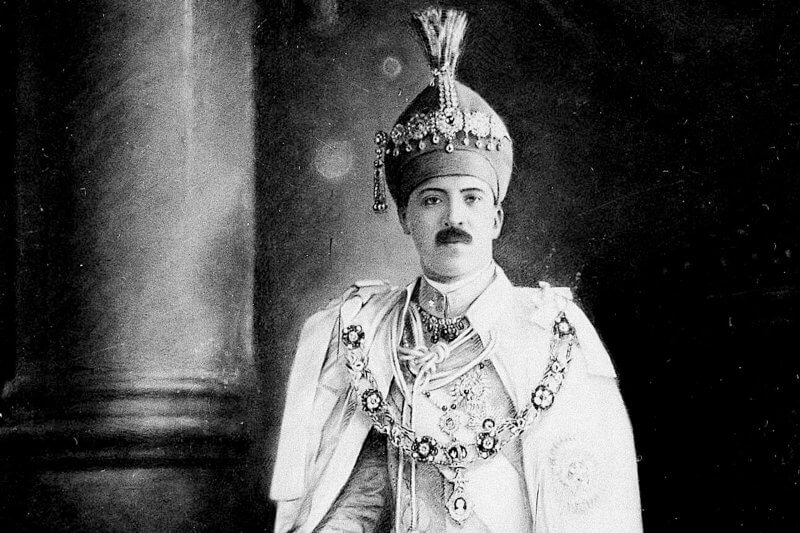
423, 362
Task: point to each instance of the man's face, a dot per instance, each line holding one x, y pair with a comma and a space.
453, 221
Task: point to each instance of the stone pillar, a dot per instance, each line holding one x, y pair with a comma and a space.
134, 270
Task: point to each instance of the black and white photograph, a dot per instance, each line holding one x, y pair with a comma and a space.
407, 266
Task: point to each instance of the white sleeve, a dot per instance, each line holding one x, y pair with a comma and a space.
587, 478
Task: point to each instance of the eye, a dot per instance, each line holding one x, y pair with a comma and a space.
472, 198
431, 200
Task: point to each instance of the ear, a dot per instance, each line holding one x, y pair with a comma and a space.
401, 214
499, 216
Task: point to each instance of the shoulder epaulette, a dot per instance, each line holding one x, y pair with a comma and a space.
364, 290
361, 284
358, 295
368, 288
547, 302
360, 292
549, 290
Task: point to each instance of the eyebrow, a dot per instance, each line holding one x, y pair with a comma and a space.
432, 189
443, 191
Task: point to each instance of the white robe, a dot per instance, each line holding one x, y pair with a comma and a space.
578, 458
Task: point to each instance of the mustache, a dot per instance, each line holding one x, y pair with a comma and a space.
453, 235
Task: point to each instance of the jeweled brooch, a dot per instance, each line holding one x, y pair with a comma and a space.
424, 449
352, 336
542, 397
372, 400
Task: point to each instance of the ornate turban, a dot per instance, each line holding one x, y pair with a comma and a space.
448, 129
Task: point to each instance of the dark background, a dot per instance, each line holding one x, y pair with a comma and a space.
657, 150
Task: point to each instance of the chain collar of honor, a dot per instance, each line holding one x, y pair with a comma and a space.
491, 437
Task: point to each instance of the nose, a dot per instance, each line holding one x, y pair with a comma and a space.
456, 212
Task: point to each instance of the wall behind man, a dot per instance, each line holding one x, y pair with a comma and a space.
132, 173
656, 154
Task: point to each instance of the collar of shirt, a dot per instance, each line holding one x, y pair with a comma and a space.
453, 300
485, 300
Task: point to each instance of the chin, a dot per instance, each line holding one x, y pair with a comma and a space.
453, 261
450, 270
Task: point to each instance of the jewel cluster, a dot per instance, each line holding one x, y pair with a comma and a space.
446, 124
493, 437
442, 328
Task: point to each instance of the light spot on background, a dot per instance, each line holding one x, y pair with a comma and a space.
334, 159
391, 67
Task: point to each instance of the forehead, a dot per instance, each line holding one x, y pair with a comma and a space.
455, 183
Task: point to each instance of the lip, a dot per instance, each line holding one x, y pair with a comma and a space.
451, 240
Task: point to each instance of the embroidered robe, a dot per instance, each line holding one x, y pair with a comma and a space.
578, 460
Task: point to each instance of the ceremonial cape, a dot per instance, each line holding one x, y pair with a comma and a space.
578, 457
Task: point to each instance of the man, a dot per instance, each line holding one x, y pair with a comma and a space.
459, 402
